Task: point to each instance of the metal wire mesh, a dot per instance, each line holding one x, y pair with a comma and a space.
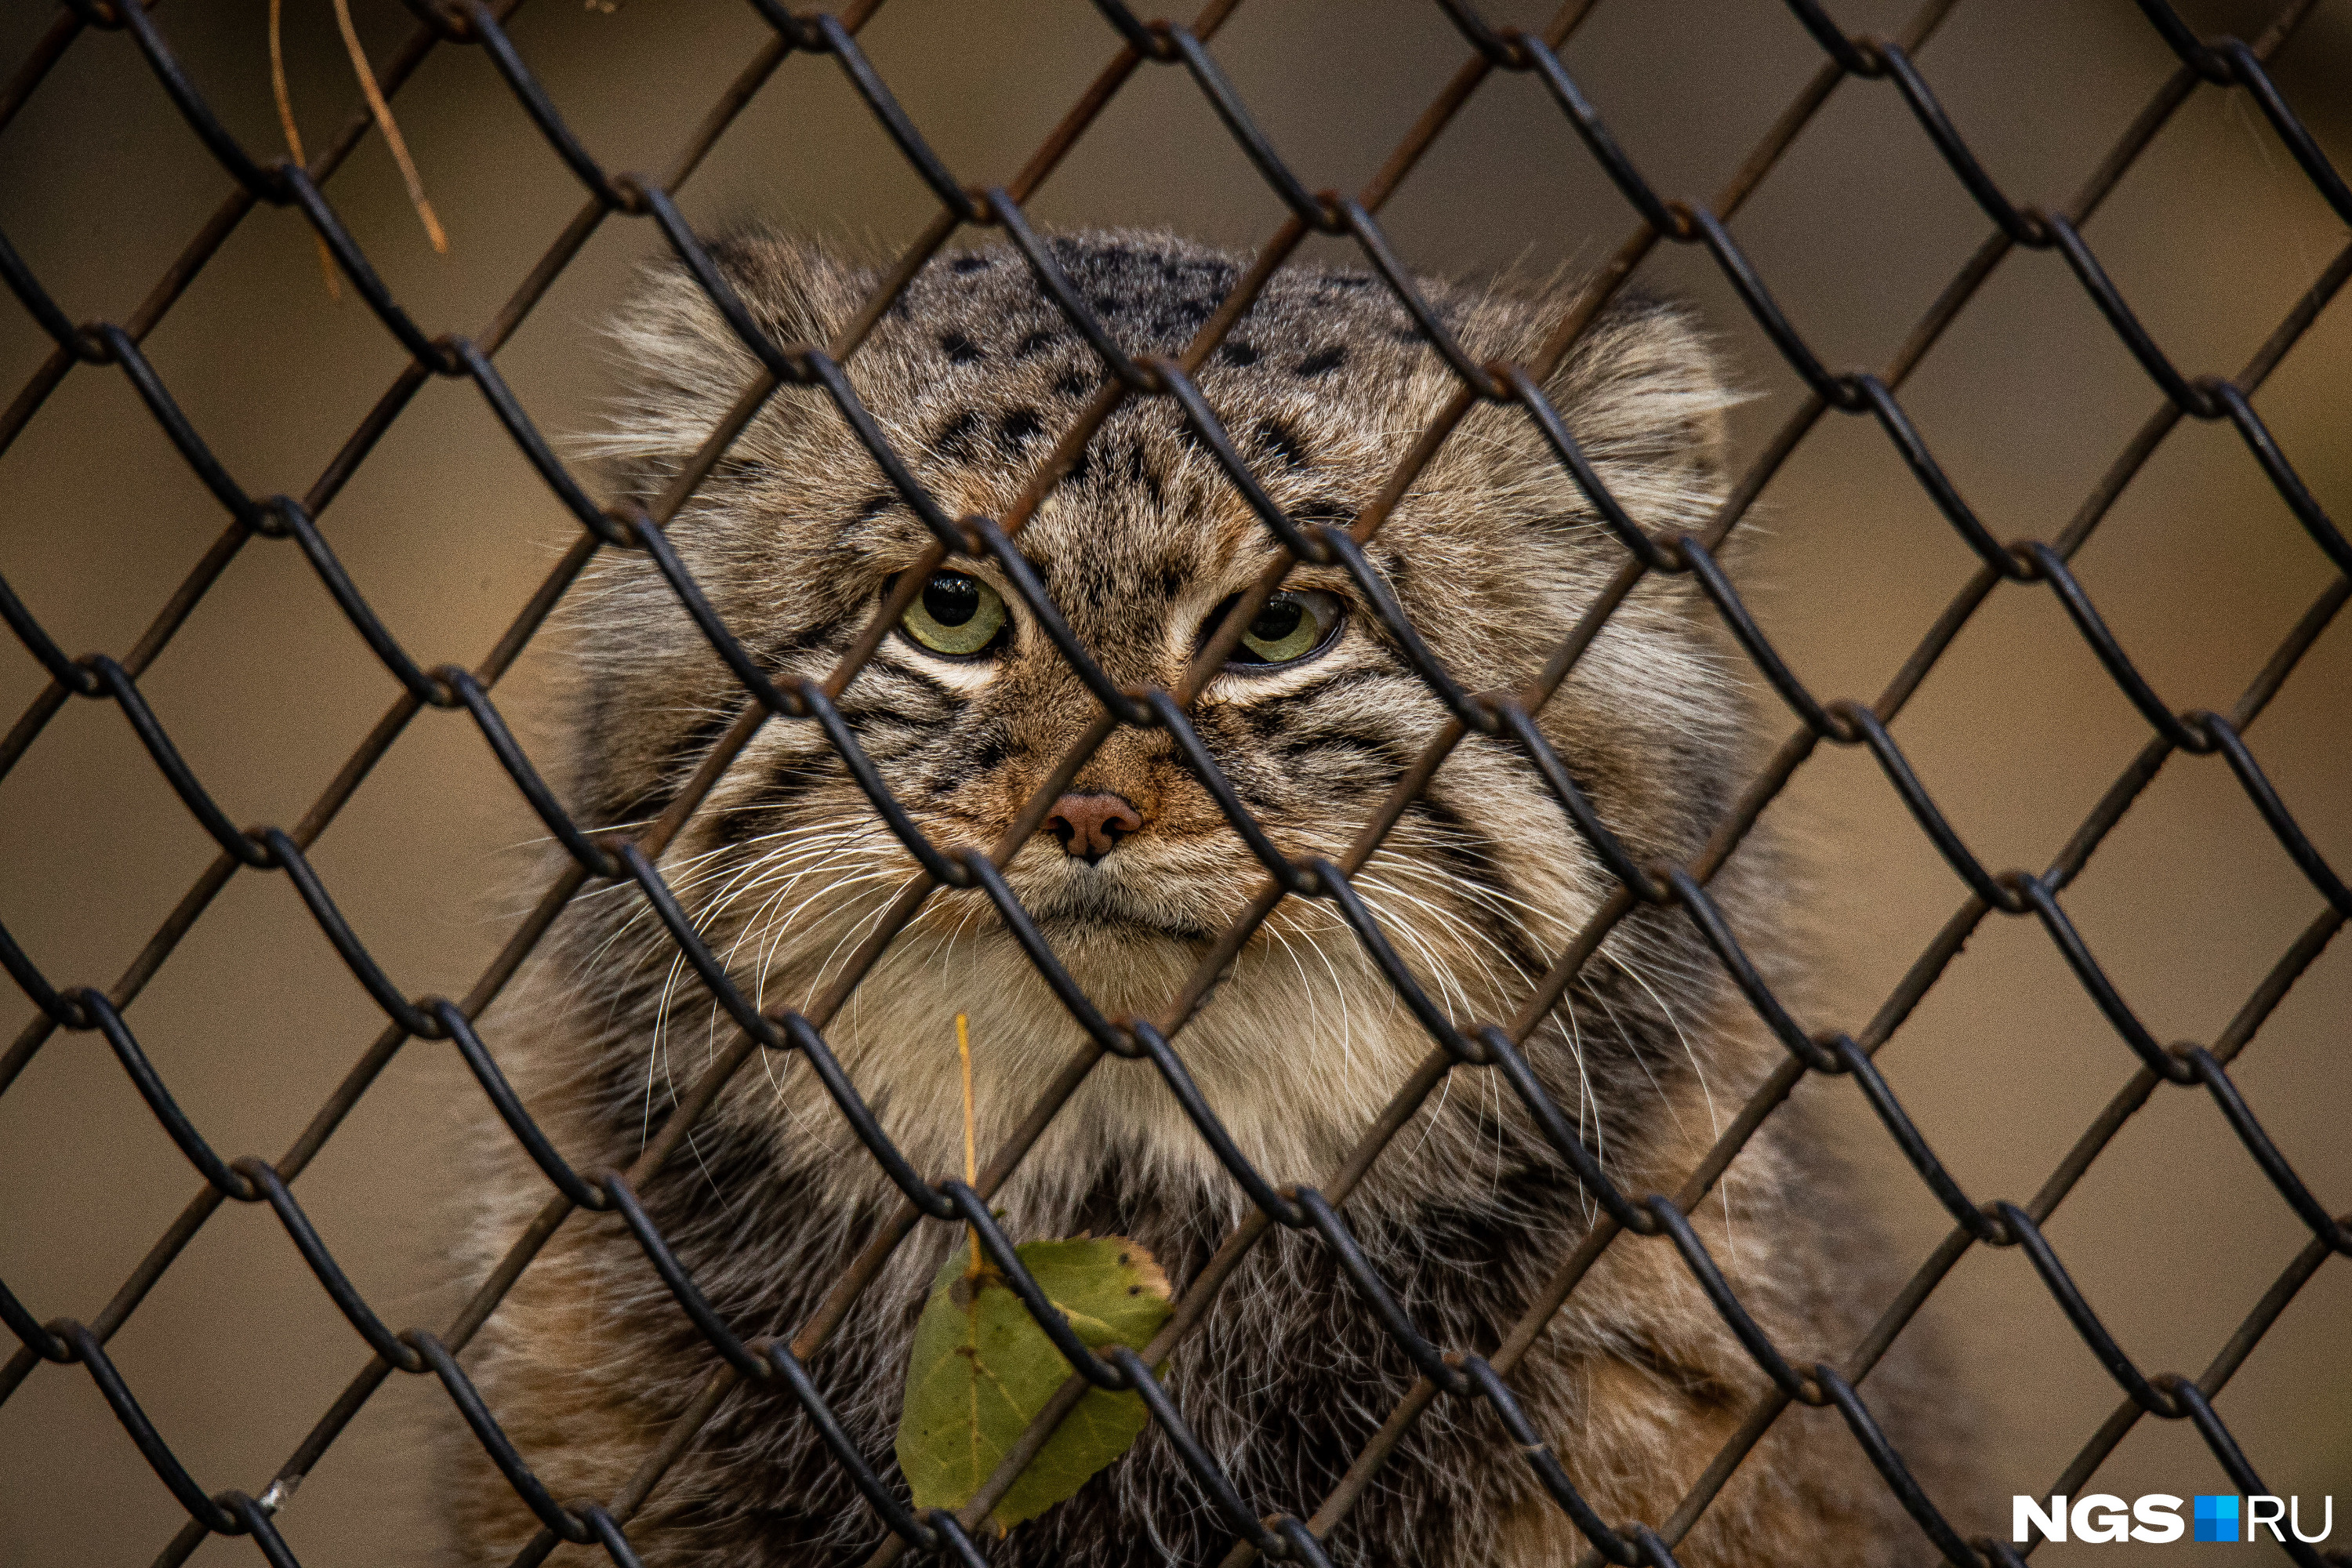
1630, 1220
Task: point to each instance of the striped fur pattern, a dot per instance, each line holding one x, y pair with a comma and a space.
1325, 384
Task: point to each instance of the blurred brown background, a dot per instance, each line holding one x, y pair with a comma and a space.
2201, 570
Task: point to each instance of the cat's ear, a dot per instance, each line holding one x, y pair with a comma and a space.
1643, 394
682, 365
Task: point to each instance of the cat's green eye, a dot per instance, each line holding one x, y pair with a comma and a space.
955, 615
1292, 626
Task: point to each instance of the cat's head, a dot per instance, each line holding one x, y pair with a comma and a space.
966, 708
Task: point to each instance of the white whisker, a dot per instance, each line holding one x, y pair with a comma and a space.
1714, 1123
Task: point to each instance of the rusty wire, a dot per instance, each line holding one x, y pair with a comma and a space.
2227, 64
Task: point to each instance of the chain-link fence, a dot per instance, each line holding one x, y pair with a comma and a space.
1298, 1527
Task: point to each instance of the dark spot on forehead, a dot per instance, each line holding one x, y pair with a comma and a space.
1322, 509
1036, 343
969, 263
872, 507
1172, 578
1017, 429
1187, 318
1073, 382
1139, 470
1322, 361
957, 438
1284, 443
1237, 355
958, 347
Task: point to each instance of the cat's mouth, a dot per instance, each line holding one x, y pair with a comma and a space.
1120, 903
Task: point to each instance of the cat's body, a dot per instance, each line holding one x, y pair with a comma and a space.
1493, 556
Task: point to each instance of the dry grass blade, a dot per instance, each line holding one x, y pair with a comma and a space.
383, 122
285, 98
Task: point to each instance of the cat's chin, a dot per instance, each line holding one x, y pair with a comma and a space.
1105, 924
1071, 936
1143, 902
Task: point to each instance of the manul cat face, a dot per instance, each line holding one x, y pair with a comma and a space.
1325, 384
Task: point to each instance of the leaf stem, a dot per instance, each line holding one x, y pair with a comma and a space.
971, 1143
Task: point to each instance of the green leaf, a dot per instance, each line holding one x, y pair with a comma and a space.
980, 1369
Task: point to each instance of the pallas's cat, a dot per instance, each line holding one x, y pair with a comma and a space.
965, 708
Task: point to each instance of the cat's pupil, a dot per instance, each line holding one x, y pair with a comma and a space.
952, 600
1277, 621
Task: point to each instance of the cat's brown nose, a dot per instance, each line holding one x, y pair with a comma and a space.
1090, 826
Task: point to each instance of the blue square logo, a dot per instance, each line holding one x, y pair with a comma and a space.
2217, 1519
